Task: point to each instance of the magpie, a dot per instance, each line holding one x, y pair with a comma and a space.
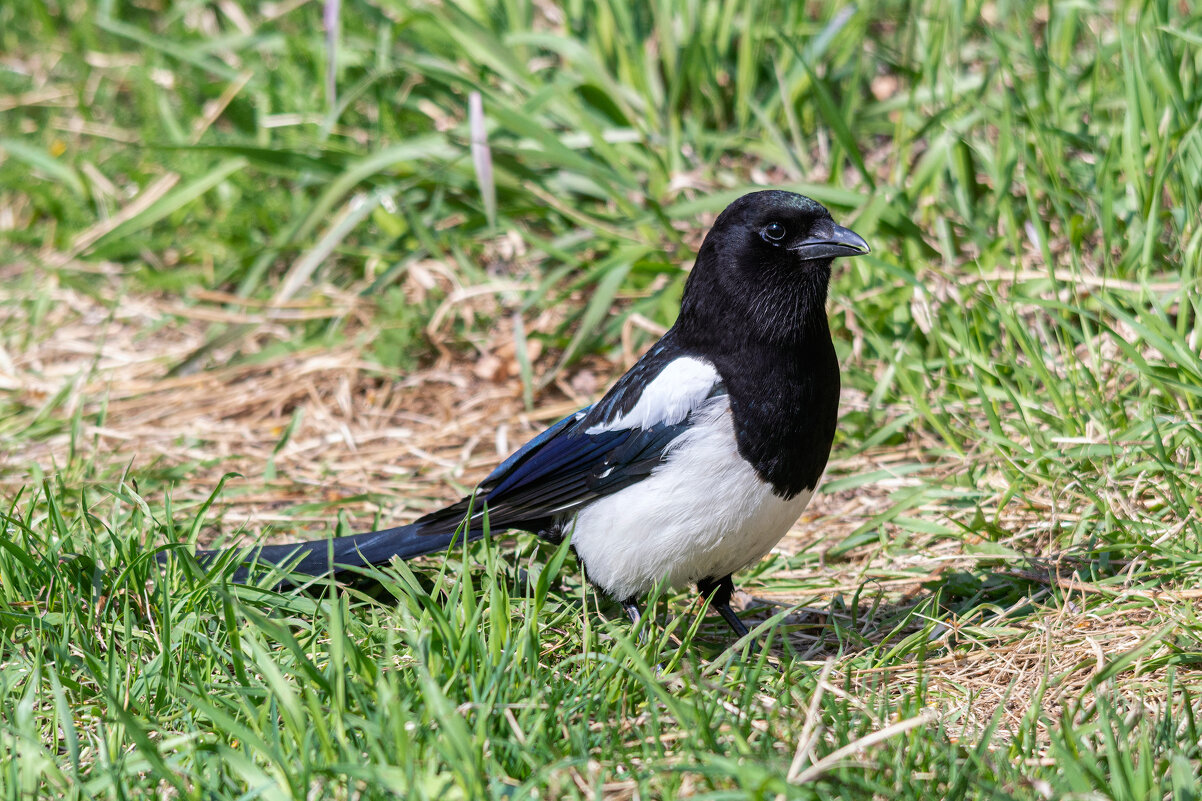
699, 459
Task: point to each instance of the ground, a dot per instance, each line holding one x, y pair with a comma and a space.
263, 276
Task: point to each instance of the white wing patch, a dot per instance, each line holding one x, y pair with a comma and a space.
677, 390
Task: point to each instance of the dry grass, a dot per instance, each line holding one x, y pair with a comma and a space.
361, 431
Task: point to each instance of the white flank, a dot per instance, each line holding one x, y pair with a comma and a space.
677, 390
703, 513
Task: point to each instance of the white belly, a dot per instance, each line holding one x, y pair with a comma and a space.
703, 513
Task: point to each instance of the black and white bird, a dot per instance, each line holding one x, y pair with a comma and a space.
699, 459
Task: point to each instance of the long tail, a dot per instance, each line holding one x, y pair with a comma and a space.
341, 555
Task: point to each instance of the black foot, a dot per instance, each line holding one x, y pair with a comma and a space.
719, 592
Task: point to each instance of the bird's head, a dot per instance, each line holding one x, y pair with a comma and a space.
775, 227
765, 265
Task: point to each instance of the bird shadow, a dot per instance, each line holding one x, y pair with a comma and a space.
880, 618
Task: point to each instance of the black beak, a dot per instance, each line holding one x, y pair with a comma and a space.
840, 242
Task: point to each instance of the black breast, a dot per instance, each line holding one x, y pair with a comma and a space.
785, 406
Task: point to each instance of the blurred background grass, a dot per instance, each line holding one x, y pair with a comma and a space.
217, 187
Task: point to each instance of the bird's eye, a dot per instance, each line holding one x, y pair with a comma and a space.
773, 232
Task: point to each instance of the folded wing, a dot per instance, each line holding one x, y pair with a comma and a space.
593, 452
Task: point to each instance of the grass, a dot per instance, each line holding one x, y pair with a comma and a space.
214, 264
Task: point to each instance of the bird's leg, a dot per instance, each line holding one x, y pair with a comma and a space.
733, 620
632, 611
635, 614
719, 592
